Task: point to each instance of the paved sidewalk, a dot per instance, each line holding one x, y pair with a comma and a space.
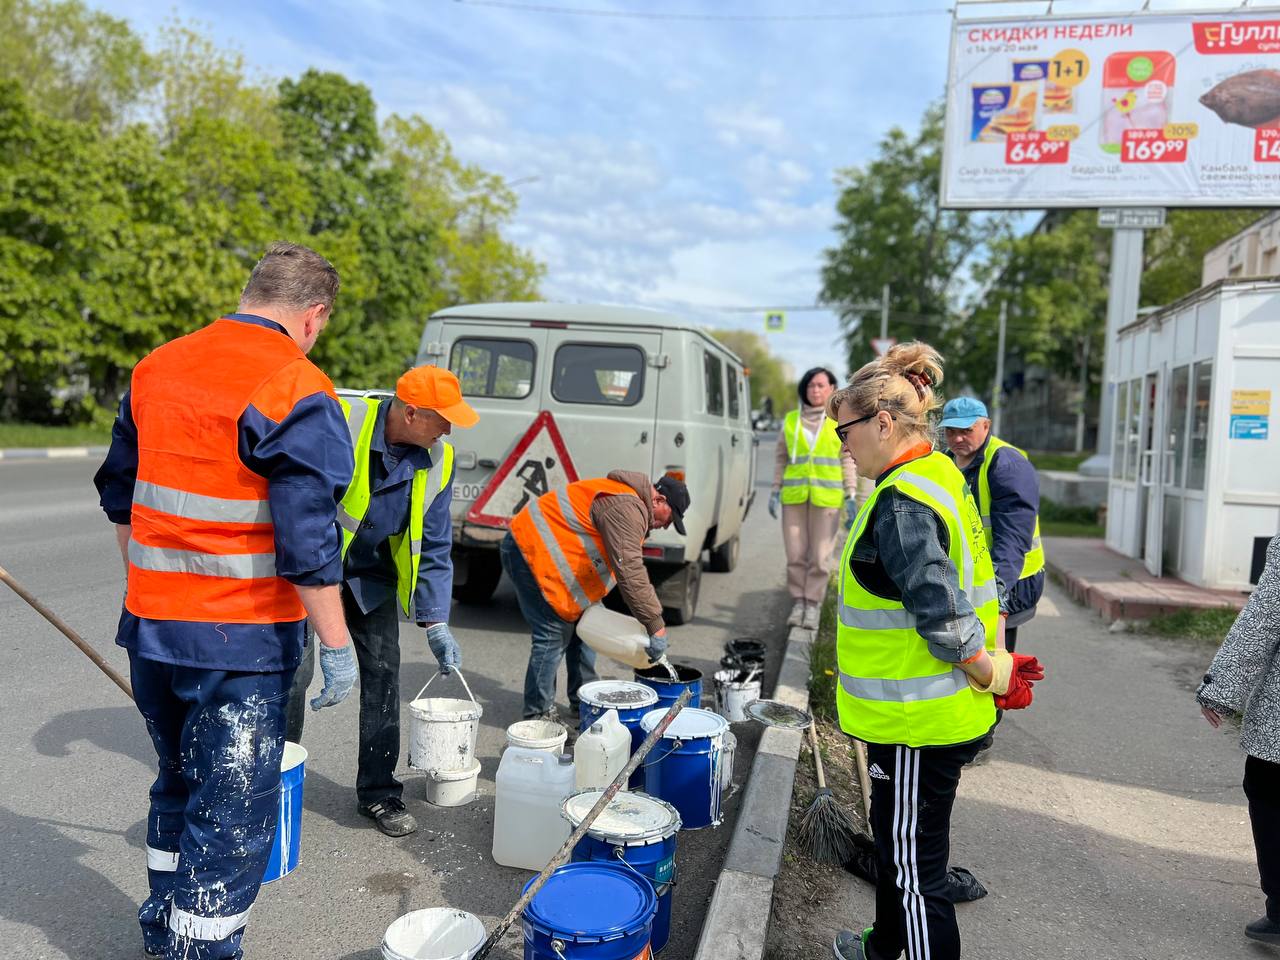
1119, 587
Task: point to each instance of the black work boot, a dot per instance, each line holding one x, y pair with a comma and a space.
1264, 929
390, 816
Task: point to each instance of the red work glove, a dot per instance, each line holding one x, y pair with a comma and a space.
1026, 670
1028, 667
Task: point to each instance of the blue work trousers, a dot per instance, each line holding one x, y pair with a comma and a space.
553, 639
219, 737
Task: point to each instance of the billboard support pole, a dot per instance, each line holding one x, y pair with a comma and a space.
997, 389
884, 312
1122, 308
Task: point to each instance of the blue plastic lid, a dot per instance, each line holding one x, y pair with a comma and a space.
592, 902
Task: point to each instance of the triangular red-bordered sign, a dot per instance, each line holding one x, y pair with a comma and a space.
535, 466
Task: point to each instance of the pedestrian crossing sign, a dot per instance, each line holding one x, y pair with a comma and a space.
775, 321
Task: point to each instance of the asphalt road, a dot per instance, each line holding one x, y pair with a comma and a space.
77, 762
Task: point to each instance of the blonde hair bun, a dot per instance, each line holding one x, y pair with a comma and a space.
902, 382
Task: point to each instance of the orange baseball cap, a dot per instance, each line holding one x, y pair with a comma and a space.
434, 389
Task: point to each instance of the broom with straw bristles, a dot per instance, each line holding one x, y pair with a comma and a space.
826, 833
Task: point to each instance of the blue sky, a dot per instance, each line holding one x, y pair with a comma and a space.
678, 164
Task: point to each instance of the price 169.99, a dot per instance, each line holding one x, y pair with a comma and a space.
1151, 146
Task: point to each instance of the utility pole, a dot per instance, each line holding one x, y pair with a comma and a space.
998, 388
1084, 393
884, 313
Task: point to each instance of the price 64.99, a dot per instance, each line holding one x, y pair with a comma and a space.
1032, 147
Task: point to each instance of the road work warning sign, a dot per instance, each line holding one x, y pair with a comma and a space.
539, 463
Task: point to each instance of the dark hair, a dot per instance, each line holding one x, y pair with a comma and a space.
293, 276
802, 388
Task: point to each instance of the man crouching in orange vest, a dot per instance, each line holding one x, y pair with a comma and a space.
566, 550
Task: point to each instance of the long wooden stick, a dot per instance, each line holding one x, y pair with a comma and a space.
70, 634
860, 751
610, 792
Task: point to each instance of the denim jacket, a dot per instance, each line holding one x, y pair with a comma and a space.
903, 555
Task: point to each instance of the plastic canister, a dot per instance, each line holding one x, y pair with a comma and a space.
639, 831
601, 752
527, 826
288, 842
615, 635
631, 700
590, 911
687, 768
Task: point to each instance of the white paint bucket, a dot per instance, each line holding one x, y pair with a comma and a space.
440, 933
538, 735
452, 788
442, 731
733, 695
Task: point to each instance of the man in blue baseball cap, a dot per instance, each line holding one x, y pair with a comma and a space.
1007, 489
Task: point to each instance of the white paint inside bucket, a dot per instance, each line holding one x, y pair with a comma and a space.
538, 735
440, 933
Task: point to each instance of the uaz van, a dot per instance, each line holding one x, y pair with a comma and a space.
572, 391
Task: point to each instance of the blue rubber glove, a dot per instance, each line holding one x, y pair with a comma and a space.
446, 650
850, 513
338, 665
657, 647
775, 499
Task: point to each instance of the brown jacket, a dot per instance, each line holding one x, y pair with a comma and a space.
623, 524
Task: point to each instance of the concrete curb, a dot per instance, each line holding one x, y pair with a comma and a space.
738, 917
51, 453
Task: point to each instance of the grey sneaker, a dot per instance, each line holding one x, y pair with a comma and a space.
796, 617
812, 613
1264, 930
390, 816
850, 946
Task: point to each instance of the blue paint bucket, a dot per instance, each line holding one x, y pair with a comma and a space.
669, 690
590, 911
686, 768
638, 831
631, 700
288, 842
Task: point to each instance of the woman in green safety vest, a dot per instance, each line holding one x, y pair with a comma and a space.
920, 662
812, 480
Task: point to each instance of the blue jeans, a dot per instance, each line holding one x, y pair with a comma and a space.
218, 737
553, 639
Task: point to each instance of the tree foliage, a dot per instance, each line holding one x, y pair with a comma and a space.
767, 375
138, 187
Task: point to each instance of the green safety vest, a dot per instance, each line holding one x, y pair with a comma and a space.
812, 475
1033, 562
892, 690
406, 547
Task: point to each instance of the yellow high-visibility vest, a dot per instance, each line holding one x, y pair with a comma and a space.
406, 546
812, 475
892, 689
1033, 562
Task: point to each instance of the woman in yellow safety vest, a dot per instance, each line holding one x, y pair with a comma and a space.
921, 666
811, 481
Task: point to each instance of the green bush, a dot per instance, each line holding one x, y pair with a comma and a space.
822, 659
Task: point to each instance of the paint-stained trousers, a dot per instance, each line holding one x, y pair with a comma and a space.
912, 792
809, 537
218, 737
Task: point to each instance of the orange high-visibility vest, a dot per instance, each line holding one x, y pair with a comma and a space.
562, 547
203, 542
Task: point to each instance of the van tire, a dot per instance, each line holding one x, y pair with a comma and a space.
725, 557
484, 570
681, 594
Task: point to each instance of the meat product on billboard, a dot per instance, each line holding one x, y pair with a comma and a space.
1249, 99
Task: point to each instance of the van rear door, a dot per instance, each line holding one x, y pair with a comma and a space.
602, 388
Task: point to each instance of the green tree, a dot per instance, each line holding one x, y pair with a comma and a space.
892, 229
767, 375
1173, 257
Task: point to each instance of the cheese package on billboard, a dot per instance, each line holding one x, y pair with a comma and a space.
1002, 108
1054, 98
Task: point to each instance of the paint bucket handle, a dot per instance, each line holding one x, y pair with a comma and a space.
621, 854
675, 745
558, 947
441, 674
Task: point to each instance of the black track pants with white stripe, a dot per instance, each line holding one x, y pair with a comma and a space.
912, 791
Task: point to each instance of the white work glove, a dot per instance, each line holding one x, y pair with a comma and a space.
775, 499
446, 650
338, 665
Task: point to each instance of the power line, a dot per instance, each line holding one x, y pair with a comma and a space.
720, 17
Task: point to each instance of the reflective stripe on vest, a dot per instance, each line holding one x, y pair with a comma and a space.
892, 689
812, 475
563, 549
195, 506
406, 546
1033, 562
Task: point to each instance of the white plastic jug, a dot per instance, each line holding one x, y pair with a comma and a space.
601, 752
615, 635
531, 788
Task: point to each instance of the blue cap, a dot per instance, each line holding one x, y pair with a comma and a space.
963, 412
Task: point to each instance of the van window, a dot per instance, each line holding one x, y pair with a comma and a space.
713, 372
609, 374
735, 393
493, 368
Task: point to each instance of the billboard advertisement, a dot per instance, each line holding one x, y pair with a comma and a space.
1148, 109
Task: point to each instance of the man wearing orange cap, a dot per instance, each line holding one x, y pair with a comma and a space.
396, 542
